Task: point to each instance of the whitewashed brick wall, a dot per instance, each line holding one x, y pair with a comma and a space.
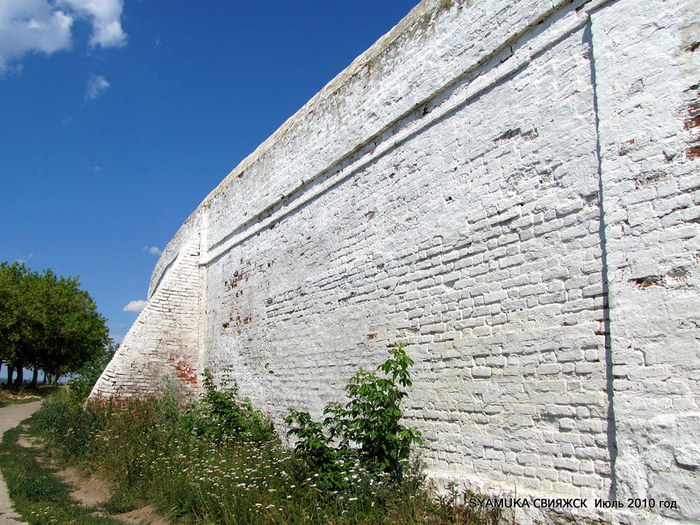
163, 345
649, 121
480, 185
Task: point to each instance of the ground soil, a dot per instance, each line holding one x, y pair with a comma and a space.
93, 492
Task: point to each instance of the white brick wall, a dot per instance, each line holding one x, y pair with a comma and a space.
163, 345
648, 98
479, 184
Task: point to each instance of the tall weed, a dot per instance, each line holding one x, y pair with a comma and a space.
222, 415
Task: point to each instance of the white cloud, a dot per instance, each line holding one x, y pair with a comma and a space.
153, 250
135, 306
24, 258
105, 18
96, 85
45, 26
31, 25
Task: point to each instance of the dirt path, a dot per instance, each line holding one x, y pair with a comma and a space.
10, 417
87, 491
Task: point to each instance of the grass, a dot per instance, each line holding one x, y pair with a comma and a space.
218, 460
156, 453
37, 493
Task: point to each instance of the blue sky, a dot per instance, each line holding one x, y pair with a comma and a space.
118, 118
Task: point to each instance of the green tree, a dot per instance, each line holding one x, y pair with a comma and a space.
84, 378
47, 322
12, 320
70, 331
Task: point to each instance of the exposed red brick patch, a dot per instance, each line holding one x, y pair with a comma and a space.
648, 178
186, 373
649, 280
627, 146
692, 122
233, 282
240, 321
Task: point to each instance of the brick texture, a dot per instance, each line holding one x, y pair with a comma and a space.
512, 191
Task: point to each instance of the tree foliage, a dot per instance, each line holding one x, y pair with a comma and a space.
84, 378
47, 322
12, 320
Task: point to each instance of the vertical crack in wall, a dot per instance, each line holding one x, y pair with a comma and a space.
611, 425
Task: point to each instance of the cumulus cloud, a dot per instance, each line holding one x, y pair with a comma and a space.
104, 15
31, 25
135, 306
97, 84
45, 26
153, 250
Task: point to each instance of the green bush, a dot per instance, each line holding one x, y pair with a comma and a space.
368, 426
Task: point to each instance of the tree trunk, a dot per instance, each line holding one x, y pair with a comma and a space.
35, 376
20, 375
10, 373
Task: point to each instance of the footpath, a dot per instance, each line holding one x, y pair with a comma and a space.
10, 417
